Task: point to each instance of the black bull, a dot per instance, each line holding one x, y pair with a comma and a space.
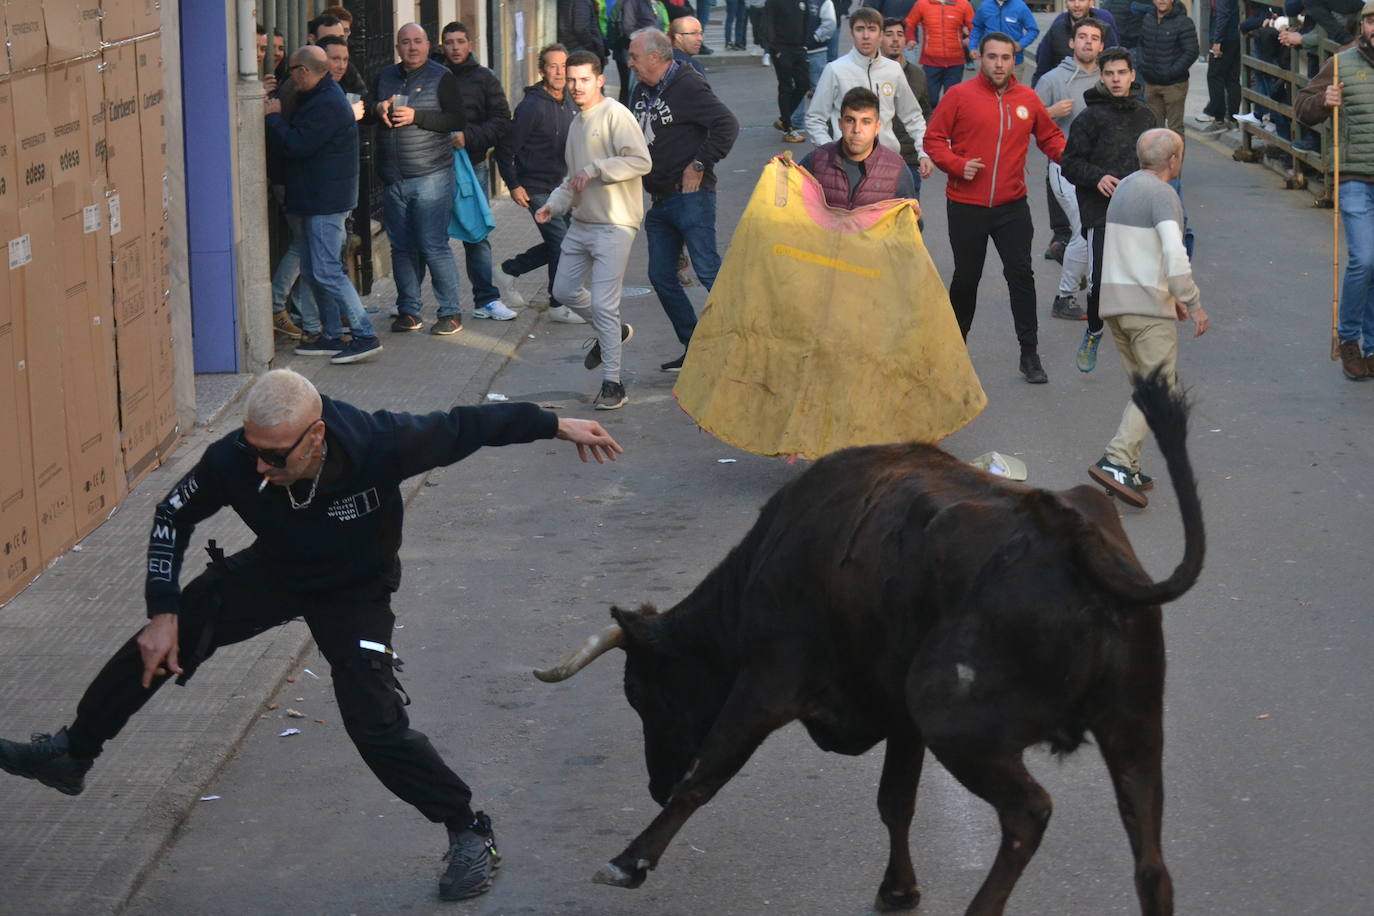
893, 592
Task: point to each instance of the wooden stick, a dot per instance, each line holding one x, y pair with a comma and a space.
1335, 213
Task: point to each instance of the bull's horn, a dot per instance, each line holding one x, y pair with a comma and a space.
610, 638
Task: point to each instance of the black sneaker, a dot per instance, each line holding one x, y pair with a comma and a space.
1032, 370
611, 397
593, 358
472, 860
406, 322
1055, 252
674, 365
1119, 481
445, 326
1144, 482
320, 346
1066, 307
358, 349
48, 759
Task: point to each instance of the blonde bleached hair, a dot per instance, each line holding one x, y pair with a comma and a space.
279, 397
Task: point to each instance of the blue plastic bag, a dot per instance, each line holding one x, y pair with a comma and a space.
471, 218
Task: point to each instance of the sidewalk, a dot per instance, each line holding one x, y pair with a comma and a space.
86, 855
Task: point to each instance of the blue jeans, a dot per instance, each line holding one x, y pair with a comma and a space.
938, 79
477, 257
416, 213
673, 221
320, 264
832, 50
1357, 290
703, 12
546, 252
735, 21
815, 65
288, 270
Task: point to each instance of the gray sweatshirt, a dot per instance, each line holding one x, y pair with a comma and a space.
1066, 81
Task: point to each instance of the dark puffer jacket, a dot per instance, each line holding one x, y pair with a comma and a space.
1168, 47
1101, 143
484, 107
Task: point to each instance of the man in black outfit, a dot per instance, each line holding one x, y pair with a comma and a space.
487, 119
1099, 153
328, 534
785, 35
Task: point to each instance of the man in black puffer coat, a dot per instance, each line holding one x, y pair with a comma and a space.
487, 120
1168, 47
1099, 153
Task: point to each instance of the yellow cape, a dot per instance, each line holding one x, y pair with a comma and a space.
825, 329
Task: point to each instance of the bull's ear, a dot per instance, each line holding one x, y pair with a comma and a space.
638, 625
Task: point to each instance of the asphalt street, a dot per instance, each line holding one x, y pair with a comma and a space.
515, 555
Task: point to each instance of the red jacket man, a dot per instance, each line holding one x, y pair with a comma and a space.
979, 136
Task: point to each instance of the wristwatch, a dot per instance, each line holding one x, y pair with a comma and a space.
697, 166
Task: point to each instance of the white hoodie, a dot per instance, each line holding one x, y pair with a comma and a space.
885, 79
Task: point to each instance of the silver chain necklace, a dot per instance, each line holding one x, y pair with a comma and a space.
324, 453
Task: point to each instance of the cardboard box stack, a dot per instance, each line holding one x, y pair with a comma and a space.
85, 328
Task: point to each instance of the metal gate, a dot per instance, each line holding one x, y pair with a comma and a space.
372, 46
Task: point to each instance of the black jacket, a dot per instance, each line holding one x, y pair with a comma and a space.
318, 151
484, 106
682, 121
1128, 15
531, 155
350, 533
1101, 143
1168, 47
579, 27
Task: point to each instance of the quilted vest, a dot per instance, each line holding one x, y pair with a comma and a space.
882, 168
1357, 114
410, 151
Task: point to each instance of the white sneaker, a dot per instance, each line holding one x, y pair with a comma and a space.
565, 315
767, 60
1204, 119
495, 309
1248, 116
756, 50
506, 284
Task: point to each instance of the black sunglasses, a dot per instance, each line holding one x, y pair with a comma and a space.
273, 457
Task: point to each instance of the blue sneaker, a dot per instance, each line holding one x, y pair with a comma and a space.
1087, 351
358, 349
323, 346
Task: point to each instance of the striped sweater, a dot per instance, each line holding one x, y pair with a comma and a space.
1144, 264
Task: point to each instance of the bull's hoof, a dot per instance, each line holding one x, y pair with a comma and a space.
615, 876
892, 901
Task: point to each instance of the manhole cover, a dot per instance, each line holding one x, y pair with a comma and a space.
634, 292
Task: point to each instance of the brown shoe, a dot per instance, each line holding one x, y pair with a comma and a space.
283, 325
1353, 363
1369, 364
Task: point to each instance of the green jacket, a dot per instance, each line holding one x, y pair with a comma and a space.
1357, 108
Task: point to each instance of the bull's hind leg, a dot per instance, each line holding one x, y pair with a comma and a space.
743, 723
998, 776
1133, 750
896, 804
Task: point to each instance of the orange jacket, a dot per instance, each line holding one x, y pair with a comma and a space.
945, 21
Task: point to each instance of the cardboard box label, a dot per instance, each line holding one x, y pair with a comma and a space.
90, 222
21, 251
115, 223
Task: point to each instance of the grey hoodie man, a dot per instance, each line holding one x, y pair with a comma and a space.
1067, 83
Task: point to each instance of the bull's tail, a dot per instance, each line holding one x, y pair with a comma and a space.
1166, 410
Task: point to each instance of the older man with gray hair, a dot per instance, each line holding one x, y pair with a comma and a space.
318, 482
1147, 288
688, 130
